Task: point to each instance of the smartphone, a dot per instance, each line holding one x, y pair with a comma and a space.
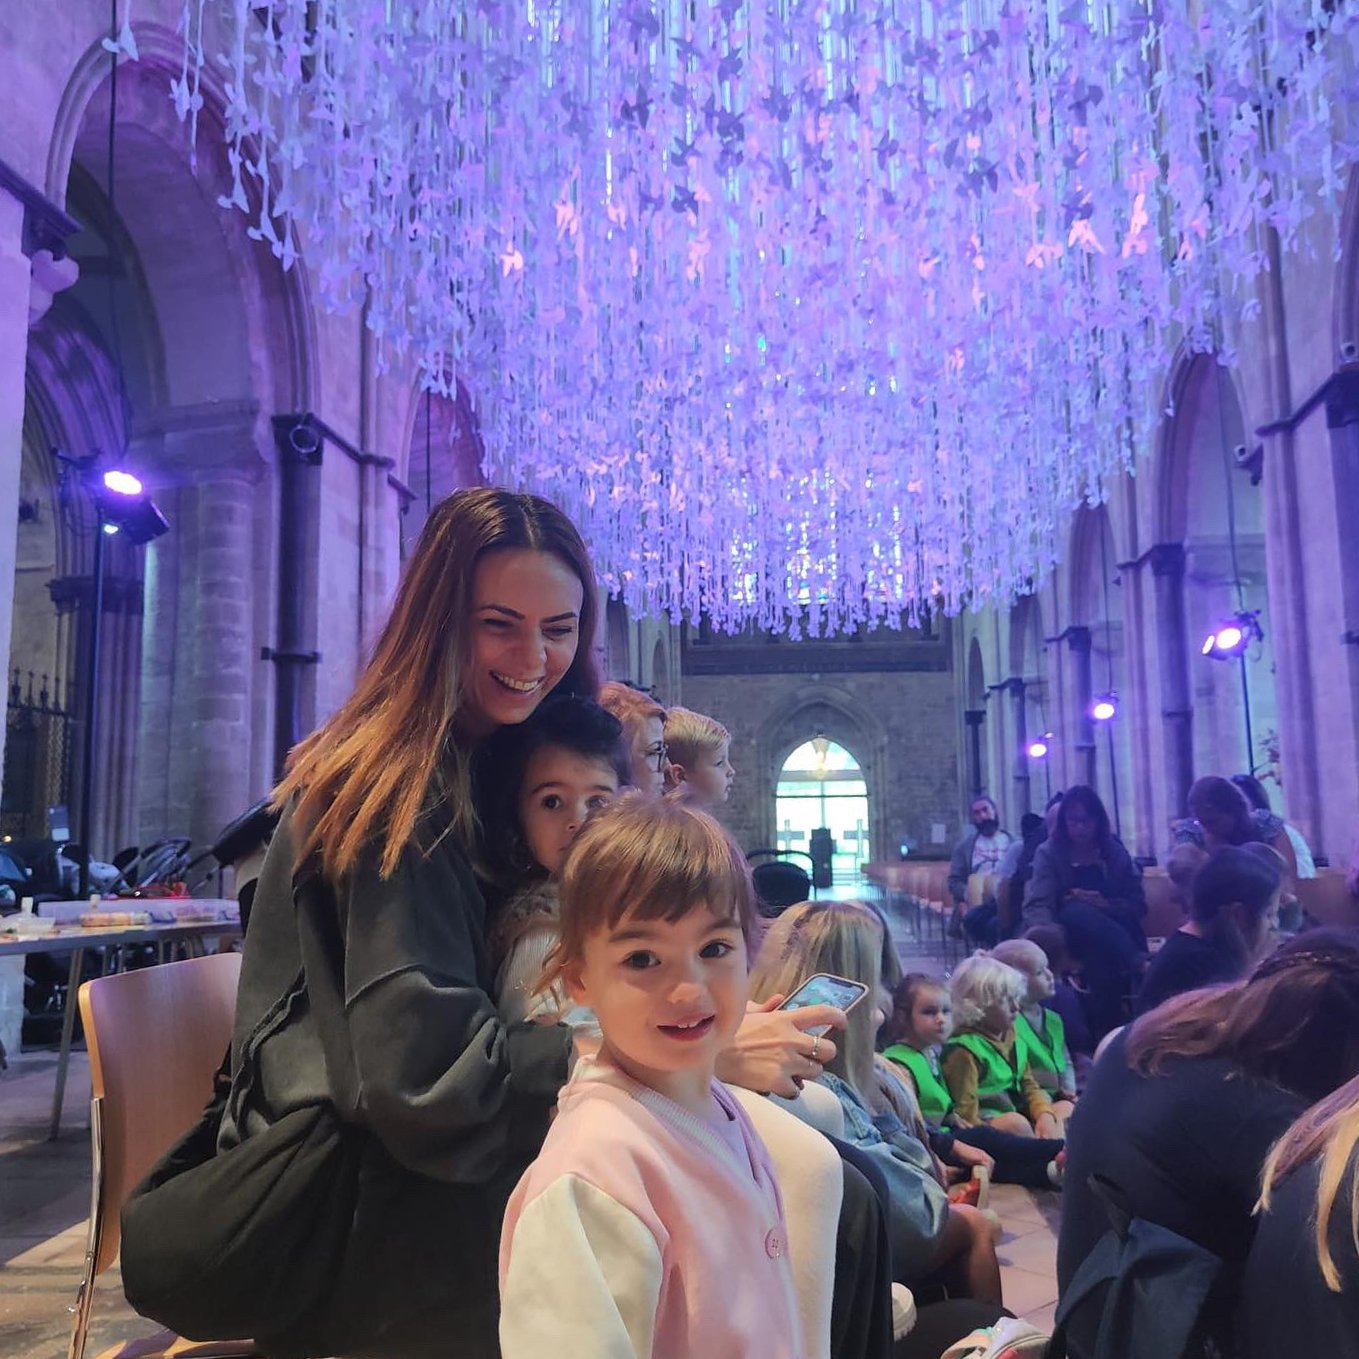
825, 989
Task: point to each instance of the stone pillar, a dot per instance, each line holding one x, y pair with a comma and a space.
114, 823
974, 717
15, 282
1079, 644
206, 684
1019, 701
1177, 708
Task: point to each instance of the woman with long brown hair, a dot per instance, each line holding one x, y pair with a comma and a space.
367, 981
367, 986
1182, 1109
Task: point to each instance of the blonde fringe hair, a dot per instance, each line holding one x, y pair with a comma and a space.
980, 982
1328, 1130
1021, 954
647, 858
843, 938
367, 775
689, 734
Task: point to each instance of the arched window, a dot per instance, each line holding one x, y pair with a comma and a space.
821, 784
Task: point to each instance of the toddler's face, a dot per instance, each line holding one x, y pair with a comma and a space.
560, 789
711, 776
669, 996
999, 1016
1042, 984
931, 1017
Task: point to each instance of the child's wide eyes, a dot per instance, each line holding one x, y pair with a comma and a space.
640, 960
595, 803
716, 948
551, 803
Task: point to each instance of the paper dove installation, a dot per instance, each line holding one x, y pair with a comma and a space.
811, 312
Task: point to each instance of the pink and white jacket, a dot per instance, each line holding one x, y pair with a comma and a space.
640, 1233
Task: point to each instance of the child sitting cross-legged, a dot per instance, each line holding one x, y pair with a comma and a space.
985, 1063
1039, 1027
922, 1020
650, 1223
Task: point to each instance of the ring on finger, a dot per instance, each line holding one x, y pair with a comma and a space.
816, 1046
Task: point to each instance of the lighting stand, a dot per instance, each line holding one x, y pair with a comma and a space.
91, 707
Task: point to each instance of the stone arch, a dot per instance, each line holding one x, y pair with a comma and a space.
832, 711
442, 451
215, 338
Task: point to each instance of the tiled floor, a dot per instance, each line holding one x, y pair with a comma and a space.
44, 1202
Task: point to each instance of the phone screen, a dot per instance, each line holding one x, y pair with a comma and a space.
824, 989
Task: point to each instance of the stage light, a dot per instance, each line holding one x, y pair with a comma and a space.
1038, 749
1232, 636
110, 529
122, 483
1104, 708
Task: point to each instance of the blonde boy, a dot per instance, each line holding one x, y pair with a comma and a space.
698, 748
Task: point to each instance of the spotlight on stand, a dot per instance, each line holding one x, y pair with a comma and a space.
1038, 748
1105, 707
1232, 636
124, 506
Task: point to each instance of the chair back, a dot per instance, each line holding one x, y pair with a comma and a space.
155, 1038
1326, 898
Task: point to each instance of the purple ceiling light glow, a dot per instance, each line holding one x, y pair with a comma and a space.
811, 314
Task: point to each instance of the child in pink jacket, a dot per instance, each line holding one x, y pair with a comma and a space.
650, 1226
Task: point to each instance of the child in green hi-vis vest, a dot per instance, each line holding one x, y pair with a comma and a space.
1041, 1029
986, 1064
922, 1019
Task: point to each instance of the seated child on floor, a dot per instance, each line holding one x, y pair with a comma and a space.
985, 1065
1066, 992
921, 1022
543, 778
651, 1223
1040, 1027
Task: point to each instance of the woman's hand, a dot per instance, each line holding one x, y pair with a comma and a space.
773, 1053
966, 1154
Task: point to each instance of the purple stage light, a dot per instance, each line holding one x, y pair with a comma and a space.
1232, 636
122, 483
1104, 708
1037, 750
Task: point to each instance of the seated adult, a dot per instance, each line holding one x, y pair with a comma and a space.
1259, 801
979, 851
1220, 814
643, 720
1233, 916
1085, 880
1183, 1106
1301, 1291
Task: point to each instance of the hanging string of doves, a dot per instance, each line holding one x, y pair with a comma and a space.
812, 313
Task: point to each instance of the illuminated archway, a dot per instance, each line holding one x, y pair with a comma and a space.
821, 784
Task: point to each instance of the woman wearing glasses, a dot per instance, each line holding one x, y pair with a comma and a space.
643, 722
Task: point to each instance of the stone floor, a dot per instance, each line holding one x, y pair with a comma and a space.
44, 1204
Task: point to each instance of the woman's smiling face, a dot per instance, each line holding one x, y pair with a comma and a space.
525, 628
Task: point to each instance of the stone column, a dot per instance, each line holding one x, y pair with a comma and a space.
1342, 423
206, 685
1019, 701
1177, 708
1082, 691
974, 717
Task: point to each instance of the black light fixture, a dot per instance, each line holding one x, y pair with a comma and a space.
1233, 636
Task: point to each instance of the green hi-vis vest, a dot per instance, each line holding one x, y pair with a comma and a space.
1047, 1051
997, 1076
936, 1104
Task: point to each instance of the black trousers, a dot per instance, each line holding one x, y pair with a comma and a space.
861, 1306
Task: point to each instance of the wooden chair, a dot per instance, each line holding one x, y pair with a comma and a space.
155, 1038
